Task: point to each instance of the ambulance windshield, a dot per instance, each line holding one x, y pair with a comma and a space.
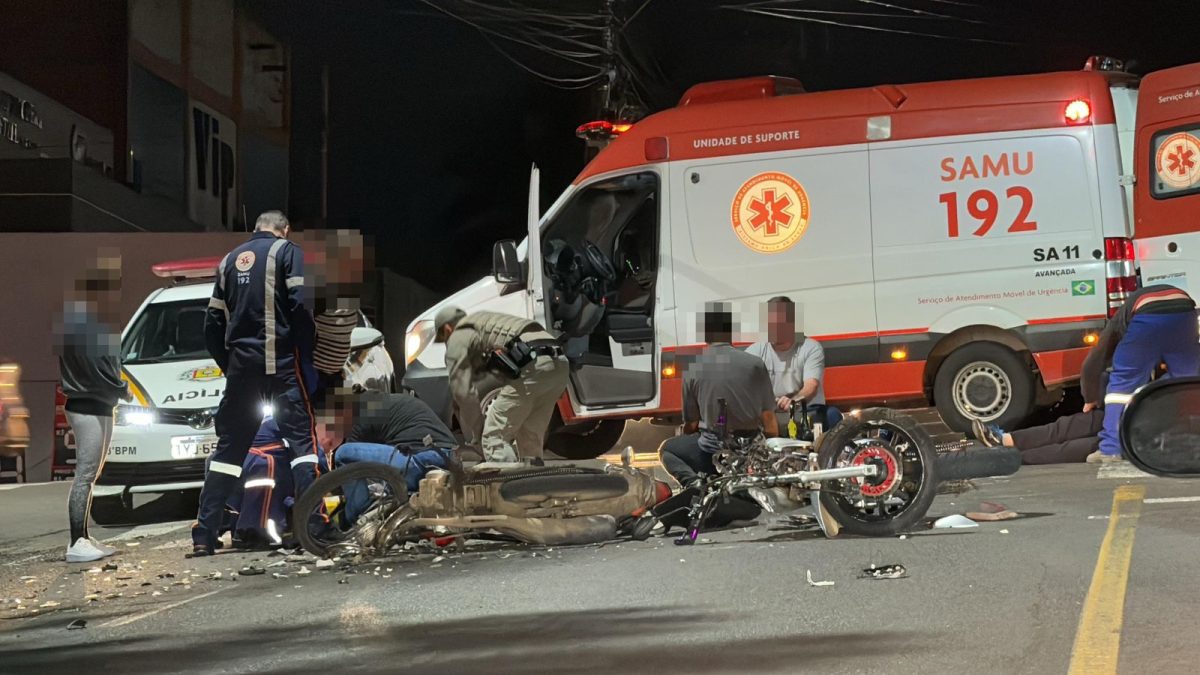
165, 332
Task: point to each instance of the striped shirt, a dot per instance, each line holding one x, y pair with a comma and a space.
334, 328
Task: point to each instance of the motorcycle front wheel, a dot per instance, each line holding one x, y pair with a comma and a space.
343, 511
898, 496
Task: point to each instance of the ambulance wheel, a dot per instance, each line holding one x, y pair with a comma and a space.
111, 510
586, 440
985, 381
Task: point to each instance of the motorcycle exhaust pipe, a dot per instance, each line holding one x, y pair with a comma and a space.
978, 463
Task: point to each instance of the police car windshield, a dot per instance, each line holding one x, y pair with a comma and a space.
165, 332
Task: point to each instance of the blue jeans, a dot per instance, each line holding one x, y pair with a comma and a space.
414, 466
1173, 339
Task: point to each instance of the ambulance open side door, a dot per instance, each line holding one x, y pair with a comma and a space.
1167, 169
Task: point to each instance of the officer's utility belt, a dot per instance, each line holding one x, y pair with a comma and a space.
517, 354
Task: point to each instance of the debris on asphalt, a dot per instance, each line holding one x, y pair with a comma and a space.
884, 572
1003, 531
991, 517
411, 575
77, 624
303, 571
344, 580
325, 563
440, 558
954, 522
277, 575
817, 583
95, 570
49, 603
110, 567
250, 571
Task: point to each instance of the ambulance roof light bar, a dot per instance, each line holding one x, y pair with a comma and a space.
744, 89
182, 270
1104, 64
602, 130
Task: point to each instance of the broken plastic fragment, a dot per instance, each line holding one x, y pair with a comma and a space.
324, 564
885, 572
954, 522
77, 624
817, 583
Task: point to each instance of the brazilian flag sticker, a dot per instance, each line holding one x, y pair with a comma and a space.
1083, 288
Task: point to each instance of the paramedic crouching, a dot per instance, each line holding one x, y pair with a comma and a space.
796, 364
721, 372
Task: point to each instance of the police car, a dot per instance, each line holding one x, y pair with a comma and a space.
161, 439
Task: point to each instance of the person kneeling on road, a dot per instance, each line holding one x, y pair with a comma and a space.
796, 364
488, 350
396, 429
1156, 325
721, 372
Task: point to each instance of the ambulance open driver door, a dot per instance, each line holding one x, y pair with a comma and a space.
1167, 166
593, 279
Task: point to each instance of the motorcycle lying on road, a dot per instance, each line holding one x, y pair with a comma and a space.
875, 474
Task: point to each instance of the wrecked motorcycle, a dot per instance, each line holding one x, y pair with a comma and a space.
368, 510
874, 474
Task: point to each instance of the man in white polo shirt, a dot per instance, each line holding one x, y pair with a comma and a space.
796, 364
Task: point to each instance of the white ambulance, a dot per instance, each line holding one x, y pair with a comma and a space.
162, 439
959, 242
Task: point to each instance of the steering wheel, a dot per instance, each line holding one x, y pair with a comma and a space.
598, 261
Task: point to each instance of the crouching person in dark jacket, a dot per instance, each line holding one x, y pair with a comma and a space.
89, 357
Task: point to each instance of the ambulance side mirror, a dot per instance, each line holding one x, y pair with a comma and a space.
506, 266
1160, 430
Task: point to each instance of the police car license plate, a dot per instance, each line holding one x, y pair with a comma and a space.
189, 447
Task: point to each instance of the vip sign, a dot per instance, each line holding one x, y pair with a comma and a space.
212, 179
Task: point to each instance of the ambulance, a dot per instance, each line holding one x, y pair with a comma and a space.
958, 242
163, 438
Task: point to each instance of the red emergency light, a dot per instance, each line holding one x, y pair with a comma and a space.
602, 130
195, 268
1078, 111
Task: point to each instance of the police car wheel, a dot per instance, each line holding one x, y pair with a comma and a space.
986, 381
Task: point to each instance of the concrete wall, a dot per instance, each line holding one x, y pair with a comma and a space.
35, 271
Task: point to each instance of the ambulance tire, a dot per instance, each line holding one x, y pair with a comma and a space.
586, 440
993, 371
111, 510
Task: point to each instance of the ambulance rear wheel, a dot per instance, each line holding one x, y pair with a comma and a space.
985, 381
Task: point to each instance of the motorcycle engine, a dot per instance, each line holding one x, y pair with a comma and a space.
754, 457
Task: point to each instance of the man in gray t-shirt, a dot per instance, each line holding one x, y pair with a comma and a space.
721, 372
795, 363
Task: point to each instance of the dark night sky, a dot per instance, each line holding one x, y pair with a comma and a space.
433, 132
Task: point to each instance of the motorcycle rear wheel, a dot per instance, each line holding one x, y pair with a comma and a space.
897, 499
317, 538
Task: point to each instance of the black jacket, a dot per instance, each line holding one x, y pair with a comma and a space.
89, 360
257, 318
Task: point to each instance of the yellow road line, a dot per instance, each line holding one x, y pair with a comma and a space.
1098, 642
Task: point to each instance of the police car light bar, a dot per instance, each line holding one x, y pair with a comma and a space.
195, 268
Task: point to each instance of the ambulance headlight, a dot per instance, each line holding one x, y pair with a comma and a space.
417, 340
134, 416
268, 410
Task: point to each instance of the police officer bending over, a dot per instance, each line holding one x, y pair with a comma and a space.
487, 350
260, 333
721, 372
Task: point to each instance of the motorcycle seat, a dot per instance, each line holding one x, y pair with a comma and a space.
566, 486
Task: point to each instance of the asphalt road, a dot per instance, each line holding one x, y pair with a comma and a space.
1007, 597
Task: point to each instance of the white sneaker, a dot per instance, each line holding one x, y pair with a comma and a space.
84, 551
100, 546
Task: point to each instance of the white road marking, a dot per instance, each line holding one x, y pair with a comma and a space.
1120, 470
1171, 500
125, 621
151, 530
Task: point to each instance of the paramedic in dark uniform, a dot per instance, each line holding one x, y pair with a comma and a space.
261, 334
1157, 324
721, 372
